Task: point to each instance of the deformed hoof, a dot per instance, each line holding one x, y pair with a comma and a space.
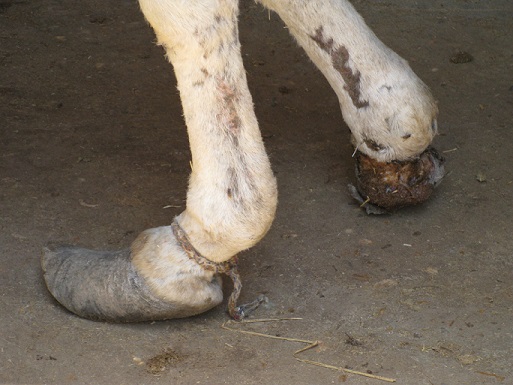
108, 286
392, 185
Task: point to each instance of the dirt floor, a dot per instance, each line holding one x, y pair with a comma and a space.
93, 150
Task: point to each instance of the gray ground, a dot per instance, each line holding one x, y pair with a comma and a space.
93, 148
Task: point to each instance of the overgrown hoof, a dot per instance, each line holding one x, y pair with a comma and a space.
109, 286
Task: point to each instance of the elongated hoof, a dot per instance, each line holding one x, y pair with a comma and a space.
152, 281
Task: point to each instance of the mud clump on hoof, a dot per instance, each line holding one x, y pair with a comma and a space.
396, 184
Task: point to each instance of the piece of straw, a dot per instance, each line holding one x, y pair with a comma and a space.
310, 345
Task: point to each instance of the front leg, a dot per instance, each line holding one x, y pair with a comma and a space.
390, 111
232, 193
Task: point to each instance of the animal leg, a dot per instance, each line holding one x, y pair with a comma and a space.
390, 111
232, 193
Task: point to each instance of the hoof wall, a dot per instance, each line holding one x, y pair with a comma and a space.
104, 286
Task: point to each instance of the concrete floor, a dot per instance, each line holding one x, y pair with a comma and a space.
93, 149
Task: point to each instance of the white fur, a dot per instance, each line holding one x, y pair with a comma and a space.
404, 109
232, 194
171, 275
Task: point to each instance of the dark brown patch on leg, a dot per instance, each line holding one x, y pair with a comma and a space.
340, 60
241, 177
325, 44
233, 181
373, 145
206, 75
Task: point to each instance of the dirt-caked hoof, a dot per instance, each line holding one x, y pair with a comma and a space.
141, 284
396, 184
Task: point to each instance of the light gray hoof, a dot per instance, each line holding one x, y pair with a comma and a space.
105, 286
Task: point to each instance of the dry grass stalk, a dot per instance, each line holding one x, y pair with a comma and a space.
311, 344
340, 369
499, 378
224, 326
252, 321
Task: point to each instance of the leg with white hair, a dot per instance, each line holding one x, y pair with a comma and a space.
390, 111
170, 272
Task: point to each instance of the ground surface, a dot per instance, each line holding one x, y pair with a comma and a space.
93, 149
